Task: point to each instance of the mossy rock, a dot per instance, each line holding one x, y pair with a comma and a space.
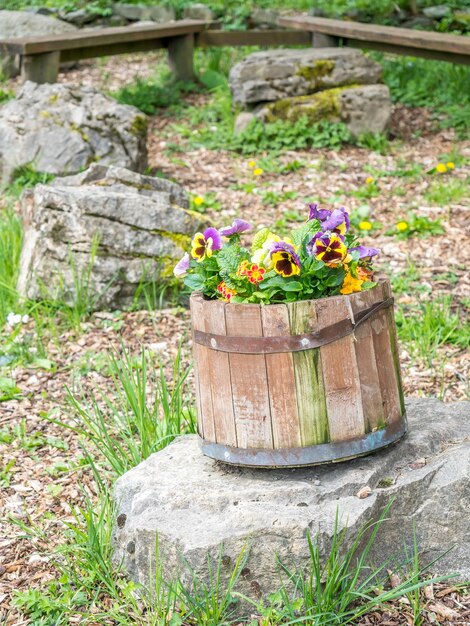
320, 69
324, 105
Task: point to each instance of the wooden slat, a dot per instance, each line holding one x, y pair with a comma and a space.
435, 55
340, 374
224, 420
249, 380
386, 366
281, 380
202, 356
457, 44
215, 38
101, 37
392, 331
309, 382
374, 416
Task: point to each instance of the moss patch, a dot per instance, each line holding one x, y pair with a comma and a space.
324, 105
139, 125
311, 73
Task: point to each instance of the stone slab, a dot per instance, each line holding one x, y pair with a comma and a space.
195, 505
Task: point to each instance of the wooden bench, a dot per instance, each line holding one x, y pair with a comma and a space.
41, 56
439, 46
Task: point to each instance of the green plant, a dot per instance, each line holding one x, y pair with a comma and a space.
416, 225
212, 603
426, 327
445, 192
11, 236
377, 142
26, 176
143, 415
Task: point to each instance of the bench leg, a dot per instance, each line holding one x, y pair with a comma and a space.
320, 40
41, 68
180, 57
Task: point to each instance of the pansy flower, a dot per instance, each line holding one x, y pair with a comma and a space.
365, 251
284, 259
336, 221
329, 248
238, 226
318, 214
255, 274
203, 244
182, 266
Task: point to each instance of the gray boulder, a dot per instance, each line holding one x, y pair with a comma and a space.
277, 74
62, 129
137, 12
264, 18
437, 12
366, 108
196, 505
198, 11
141, 225
23, 24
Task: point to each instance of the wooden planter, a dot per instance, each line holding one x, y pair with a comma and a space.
296, 384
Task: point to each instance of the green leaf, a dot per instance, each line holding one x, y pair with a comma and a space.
194, 281
308, 229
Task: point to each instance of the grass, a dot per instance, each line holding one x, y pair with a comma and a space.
11, 237
446, 192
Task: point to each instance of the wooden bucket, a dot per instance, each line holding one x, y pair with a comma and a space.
300, 383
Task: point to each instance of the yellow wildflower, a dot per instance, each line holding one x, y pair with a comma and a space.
450, 165
365, 225
257, 172
198, 200
402, 226
369, 180
441, 168
251, 164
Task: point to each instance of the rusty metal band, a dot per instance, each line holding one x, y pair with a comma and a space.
288, 343
311, 455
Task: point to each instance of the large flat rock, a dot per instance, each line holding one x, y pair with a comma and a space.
62, 129
195, 504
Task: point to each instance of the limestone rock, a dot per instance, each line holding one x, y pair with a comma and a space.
141, 223
196, 505
366, 108
61, 129
137, 12
198, 11
24, 24
277, 74
264, 18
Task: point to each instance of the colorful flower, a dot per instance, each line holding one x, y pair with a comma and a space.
203, 244
441, 168
257, 171
182, 266
365, 225
450, 165
198, 200
402, 226
364, 251
351, 284
284, 259
369, 180
262, 253
318, 214
251, 164
225, 292
337, 222
255, 274
329, 248
238, 226
243, 268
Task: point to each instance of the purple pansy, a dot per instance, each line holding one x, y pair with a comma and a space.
214, 234
238, 226
364, 251
283, 246
337, 222
182, 266
318, 214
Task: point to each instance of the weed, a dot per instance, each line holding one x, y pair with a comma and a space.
417, 225
11, 236
150, 95
445, 192
27, 176
143, 415
208, 201
377, 142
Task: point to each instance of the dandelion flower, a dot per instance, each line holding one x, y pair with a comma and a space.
450, 165
402, 226
441, 168
365, 225
251, 164
198, 200
257, 172
369, 180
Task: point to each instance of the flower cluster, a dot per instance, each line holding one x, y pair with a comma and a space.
320, 258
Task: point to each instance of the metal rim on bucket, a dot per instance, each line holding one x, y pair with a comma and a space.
310, 455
